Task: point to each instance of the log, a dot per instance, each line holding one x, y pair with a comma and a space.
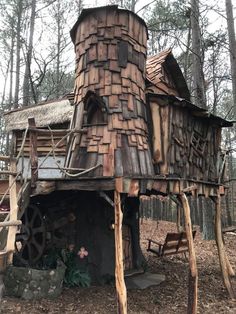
157, 136
33, 152
7, 172
119, 267
57, 132
193, 274
4, 158
221, 248
10, 223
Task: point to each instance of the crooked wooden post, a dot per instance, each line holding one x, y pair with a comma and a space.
33, 151
13, 213
119, 267
224, 262
193, 274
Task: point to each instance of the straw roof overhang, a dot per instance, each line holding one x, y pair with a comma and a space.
195, 110
50, 113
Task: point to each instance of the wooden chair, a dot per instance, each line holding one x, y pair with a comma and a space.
175, 243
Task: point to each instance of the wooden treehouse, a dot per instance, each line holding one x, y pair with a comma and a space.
128, 130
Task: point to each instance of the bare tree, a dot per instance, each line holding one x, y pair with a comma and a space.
28, 59
232, 48
19, 12
197, 57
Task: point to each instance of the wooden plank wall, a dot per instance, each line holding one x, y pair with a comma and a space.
110, 46
44, 144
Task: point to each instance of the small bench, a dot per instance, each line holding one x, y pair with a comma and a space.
229, 229
175, 243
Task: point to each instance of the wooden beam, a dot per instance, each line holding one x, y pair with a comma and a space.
193, 274
10, 223
86, 184
8, 172
221, 249
13, 213
4, 158
57, 132
106, 197
119, 267
33, 151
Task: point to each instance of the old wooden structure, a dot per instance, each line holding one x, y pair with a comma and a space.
130, 130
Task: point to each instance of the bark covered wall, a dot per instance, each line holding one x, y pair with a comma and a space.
184, 146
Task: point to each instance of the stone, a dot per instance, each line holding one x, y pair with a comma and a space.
29, 283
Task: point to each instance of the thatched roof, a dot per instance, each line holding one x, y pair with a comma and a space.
45, 114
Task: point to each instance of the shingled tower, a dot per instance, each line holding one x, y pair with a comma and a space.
110, 46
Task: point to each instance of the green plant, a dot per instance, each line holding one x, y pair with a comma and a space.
73, 275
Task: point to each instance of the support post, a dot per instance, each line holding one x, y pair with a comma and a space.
224, 263
119, 267
193, 274
33, 151
13, 213
229, 267
178, 222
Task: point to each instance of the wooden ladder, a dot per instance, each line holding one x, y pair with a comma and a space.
8, 227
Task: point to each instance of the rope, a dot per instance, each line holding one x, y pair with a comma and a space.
78, 174
51, 151
22, 145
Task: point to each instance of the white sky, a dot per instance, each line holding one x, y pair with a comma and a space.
215, 19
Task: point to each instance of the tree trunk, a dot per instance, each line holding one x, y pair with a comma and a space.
58, 49
18, 47
132, 5
186, 55
197, 67
80, 6
232, 49
26, 84
11, 68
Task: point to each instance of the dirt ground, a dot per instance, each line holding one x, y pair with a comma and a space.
169, 297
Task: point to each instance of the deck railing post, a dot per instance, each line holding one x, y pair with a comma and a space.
33, 151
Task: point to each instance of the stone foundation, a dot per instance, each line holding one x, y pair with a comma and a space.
28, 283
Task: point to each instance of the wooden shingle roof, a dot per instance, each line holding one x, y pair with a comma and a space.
164, 76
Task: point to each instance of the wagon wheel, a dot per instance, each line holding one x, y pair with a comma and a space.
30, 242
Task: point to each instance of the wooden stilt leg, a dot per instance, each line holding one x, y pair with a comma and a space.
178, 223
119, 268
10, 247
229, 267
193, 274
221, 248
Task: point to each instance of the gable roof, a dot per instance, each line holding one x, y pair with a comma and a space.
165, 75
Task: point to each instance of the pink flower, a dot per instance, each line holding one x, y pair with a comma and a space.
82, 252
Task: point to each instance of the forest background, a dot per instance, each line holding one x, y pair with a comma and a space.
37, 56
